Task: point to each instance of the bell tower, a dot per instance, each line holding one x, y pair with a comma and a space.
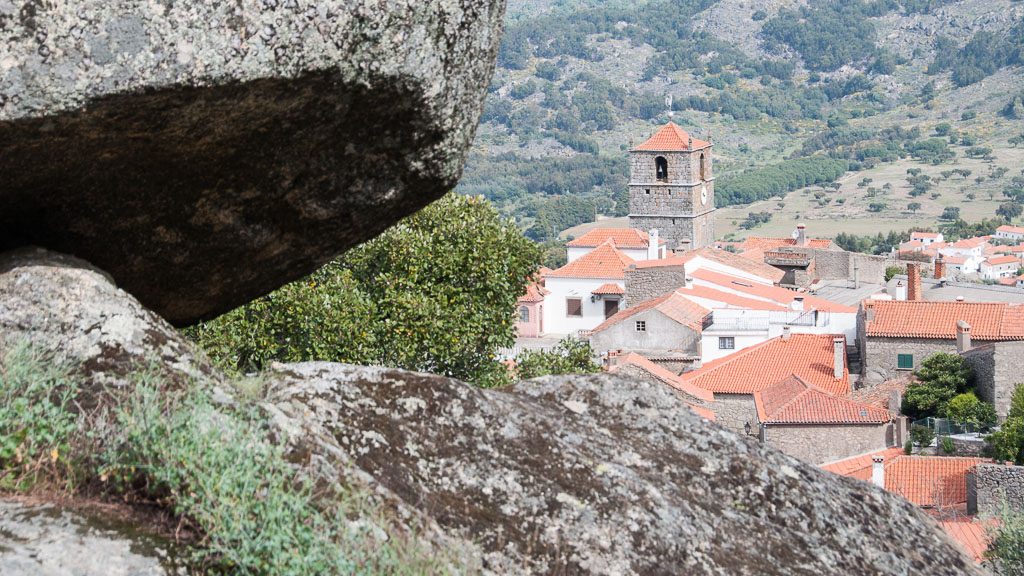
672, 188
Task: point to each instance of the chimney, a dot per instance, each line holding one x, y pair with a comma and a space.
959, 298
901, 290
652, 244
940, 267
838, 357
613, 358
963, 336
684, 246
913, 281
801, 235
797, 303
688, 282
786, 330
878, 471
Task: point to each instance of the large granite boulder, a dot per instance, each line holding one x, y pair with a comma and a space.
204, 153
596, 474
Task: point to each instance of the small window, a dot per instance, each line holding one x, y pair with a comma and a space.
573, 307
641, 326
524, 314
726, 343
905, 361
647, 190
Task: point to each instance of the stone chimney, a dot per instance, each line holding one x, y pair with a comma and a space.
801, 235
878, 471
838, 357
797, 303
963, 336
869, 309
940, 267
786, 331
901, 290
652, 244
913, 281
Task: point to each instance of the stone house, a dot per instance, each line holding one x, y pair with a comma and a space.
819, 360
896, 336
668, 326
998, 370
815, 426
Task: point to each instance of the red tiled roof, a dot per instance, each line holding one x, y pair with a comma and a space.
808, 356
605, 261
622, 237
931, 319
673, 305
730, 300
859, 466
774, 293
754, 247
723, 257
1002, 260
970, 533
924, 235
930, 480
534, 293
793, 401
664, 375
968, 243
609, 288
702, 411
881, 394
1010, 229
671, 138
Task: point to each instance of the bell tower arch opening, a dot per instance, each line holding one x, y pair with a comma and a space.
661, 169
703, 167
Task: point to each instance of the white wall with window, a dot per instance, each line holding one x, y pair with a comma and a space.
570, 305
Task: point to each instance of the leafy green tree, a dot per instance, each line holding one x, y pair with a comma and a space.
436, 292
950, 213
967, 409
914, 206
570, 356
941, 377
1010, 210
891, 271
1008, 442
1006, 541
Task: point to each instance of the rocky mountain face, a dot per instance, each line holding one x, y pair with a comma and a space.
168, 142
597, 474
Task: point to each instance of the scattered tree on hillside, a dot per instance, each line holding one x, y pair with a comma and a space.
1009, 210
914, 207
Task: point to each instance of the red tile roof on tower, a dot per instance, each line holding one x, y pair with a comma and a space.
672, 138
793, 401
610, 288
752, 369
605, 261
931, 319
673, 305
630, 238
664, 375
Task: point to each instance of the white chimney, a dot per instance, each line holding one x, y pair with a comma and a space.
838, 357
797, 303
652, 244
878, 471
801, 235
786, 330
963, 336
689, 282
901, 290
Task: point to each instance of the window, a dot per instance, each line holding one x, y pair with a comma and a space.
641, 326
905, 361
573, 307
661, 169
524, 314
647, 190
703, 167
726, 343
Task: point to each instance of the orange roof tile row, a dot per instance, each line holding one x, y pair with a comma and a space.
752, 369
881, 394
859, 466
997, 260
924, 235
605, 261
1010, 229
930, 480
970, 533
610, 288
932, 319
622, 237
664, 375
793, 401
774, 293
672, 305
672, 138
724, 257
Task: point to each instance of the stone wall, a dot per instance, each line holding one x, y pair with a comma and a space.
683, 167
989, 486
841, 265
662, 334
998, 369
817, 443
735, 410
879, 355
642, 284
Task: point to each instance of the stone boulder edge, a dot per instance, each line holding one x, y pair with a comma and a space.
205, 153
595, 474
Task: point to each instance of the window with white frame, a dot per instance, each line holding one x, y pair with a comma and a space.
641, 326
726, 342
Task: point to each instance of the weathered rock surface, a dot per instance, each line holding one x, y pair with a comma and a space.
595, 474
48, 541
204, 153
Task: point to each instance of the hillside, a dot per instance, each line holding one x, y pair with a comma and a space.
788, 90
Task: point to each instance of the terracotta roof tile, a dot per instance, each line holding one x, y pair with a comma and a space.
605, 261
859, 466
924, 235
664, 375
932, 319
793, 401
930, 480
609, 288
702, 411
622, 237
881, 394
774, 293
728, 299
997, 260
968, 243
808, 356
672, 305
534, 293
970, 533
671, 138
1010, 229
769, 273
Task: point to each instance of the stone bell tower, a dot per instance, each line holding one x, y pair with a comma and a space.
672, 188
